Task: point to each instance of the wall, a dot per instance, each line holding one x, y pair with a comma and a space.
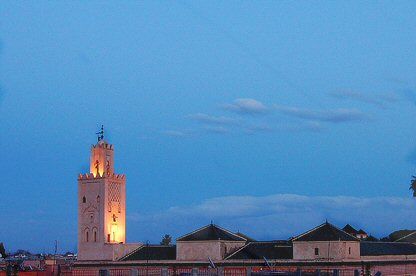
201, 250
333, 250
198, 250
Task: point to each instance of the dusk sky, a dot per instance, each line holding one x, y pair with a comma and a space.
265, 117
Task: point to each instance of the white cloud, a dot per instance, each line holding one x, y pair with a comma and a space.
332, 115
246, 106
215, 120
281, 215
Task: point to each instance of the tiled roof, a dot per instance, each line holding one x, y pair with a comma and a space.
152, 252
386, 248
361, 231
371, 239
249, 239
403, 236
211, 232
349, 229
325, 232
258, 250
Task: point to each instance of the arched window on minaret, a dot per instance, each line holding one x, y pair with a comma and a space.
87, 233
84, 200
95, 234
98, 199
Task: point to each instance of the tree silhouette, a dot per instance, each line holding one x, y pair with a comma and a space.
413, 185
2, 251
166, 240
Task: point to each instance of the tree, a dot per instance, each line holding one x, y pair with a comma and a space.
2, 251
413, 185
166, 240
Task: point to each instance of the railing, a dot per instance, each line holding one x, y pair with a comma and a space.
222, 271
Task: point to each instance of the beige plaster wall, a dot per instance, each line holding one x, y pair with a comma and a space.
202, 250
198, 250
333, 250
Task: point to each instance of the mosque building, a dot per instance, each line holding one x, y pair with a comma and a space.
213, 250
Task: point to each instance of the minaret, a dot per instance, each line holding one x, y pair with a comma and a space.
101, 205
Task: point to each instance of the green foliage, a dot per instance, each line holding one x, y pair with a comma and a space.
413, 185
2, 250
166, 240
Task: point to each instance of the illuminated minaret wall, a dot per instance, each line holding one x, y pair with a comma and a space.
101, 207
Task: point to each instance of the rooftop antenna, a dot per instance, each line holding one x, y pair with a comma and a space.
56, 247
211, 263
100, 134
266, 262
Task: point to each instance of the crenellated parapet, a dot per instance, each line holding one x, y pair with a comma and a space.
104, 145
89, 176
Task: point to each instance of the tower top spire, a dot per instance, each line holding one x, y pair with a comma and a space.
100, 134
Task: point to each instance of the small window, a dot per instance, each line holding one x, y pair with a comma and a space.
84, 200
95, 235
316, 251
98, 199
108, 237
86, 236
349, 250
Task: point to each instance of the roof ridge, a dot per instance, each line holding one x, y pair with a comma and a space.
132, 252
228, 231
235, 252
363, 241
307, 232
215, 229
320, 226
414, 231
190, 233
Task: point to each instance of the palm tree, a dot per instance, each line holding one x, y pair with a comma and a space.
166, 240
413, 185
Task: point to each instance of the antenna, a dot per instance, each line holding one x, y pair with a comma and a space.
211, 263
56, 246
266, 262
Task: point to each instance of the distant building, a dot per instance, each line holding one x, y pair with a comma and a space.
326, 242
360, 234
102, 247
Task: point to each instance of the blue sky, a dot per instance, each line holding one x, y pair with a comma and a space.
251, 114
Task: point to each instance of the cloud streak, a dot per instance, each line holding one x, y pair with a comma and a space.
379, 100
308, 120
246, 107
340, 115
284, 215
212, 120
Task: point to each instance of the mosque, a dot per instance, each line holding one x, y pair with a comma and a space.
213, 250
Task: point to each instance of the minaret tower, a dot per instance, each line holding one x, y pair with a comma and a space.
101, 205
